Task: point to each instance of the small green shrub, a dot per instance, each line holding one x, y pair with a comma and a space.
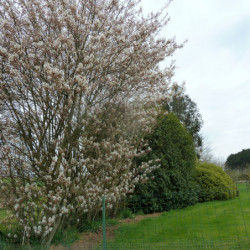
112, 222
3, 213
126, 213
8, 226
90, 226
140, 212
66, 237
96, 225
214, 183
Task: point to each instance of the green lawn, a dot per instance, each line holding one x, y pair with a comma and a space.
210, 225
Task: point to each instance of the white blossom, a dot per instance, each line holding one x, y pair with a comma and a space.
77, 90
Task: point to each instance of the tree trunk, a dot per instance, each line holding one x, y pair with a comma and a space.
46, 241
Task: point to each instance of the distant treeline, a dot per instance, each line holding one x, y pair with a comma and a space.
240, 160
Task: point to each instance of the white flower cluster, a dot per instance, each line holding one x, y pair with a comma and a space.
80, 85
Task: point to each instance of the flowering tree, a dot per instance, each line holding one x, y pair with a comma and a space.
77, 78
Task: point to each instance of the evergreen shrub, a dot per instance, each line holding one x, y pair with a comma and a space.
214, 183
171, 185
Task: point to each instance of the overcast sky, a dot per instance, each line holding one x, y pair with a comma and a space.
214, 63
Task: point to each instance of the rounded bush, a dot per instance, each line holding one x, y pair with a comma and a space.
214, 183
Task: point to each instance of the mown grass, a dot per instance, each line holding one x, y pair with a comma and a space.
219, 224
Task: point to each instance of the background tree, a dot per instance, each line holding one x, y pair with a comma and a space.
240, 160
63, 64
172, 184
187, 112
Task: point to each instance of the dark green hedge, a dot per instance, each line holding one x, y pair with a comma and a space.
173, 185
214, 183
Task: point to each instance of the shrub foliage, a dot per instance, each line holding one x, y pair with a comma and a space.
171, 185
214, 183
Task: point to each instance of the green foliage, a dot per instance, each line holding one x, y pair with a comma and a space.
214, 183
172, 185
3, 214
90, 226
112, 222
241, 160
126, 213
8, 226
96, 225
139, 212
187, 112
66, 237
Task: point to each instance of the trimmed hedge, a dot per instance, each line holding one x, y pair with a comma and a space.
214, 183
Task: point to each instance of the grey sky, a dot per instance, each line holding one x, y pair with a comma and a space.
214, 63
